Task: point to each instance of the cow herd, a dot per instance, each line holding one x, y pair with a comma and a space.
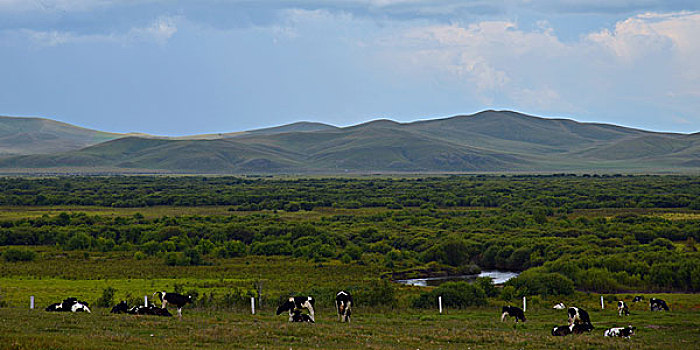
294, 305
580, 321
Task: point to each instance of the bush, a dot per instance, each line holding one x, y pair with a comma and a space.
534, 283
107, 298
16, 254
380, 294
454, 294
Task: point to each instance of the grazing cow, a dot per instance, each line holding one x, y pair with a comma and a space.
657, 305
637, 299
561, 331
176, 299
122, 307
622, 308
297, 316
625, 332
513, 311
69, 305
297, 303
559, 306
578, 315
343, 302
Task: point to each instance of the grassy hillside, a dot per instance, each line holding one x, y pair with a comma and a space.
38, 135
487, 141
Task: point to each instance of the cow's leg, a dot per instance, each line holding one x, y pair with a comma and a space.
308, 305
503, 316
163, 304
179, 312
340, 313
291, 315
347, 311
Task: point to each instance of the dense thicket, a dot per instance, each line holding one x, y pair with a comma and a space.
514, 223
254, 193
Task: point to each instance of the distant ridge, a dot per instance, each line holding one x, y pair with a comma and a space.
489, 141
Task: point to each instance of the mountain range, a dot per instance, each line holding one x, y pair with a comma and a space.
488, 141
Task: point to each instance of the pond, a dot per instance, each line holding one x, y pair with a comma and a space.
499, 277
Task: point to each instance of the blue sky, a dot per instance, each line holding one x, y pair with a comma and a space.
189, 67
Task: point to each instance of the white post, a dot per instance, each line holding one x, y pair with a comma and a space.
440, 303
524, 304
602, 304
31, 302
252, 305
145, 300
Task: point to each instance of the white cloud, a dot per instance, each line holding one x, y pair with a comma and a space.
159, 31
493, 59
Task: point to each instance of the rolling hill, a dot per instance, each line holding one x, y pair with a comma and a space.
496, 141
39, 135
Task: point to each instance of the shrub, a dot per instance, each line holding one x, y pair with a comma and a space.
16, 254
454, 294
107, 298
535, 282
382, 294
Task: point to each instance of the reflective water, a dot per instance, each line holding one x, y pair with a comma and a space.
499, 277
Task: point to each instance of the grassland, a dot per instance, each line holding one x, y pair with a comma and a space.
58, 274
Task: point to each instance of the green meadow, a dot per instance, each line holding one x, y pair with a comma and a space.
225, 240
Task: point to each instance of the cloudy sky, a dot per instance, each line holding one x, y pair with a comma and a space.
172, 67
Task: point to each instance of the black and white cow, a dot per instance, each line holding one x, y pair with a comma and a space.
297, 316
579, 328
561, 331
657, 305
343, 302
637, 299
559, 306
150, 310
120, 308
624, 332
176, 299
578, 315
69, 305
513, 311
297, 303
622, 308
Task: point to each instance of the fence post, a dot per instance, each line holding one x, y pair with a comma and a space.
252, 305
145, 300
602, 304
524, 304
440, 303
31, 302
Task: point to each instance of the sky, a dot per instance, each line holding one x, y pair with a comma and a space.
170, 67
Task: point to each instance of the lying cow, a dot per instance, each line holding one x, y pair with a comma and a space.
637, 299
657, 305
561, 331
120, 308
513, 311
69, 305
559, 306
622, 308
578, 315
297, 316
343, 302
624, 332
297, 303
150, 310
578, 328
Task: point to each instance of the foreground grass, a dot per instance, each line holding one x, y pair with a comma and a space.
478, 328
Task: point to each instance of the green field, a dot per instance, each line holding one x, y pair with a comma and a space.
375, 327
225, 239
